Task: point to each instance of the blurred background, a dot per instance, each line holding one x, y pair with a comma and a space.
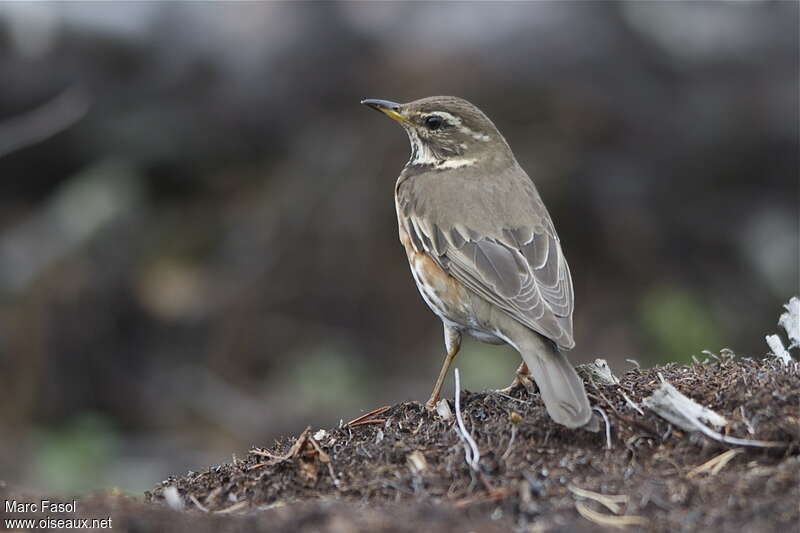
198, 244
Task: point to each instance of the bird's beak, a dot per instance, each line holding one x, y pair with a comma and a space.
390, 109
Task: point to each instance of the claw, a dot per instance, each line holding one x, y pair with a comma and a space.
521, 379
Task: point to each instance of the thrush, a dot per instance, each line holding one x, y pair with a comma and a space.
482, 247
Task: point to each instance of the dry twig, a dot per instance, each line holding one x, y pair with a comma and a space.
367, 422
609, 520
275, 459
361, 420
630, 402
471, 453
714, 465
198, 504
515, 419
608, 426
610, 501
233, 508
680, 410
492, 496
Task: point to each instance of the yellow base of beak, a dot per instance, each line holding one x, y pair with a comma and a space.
390, 109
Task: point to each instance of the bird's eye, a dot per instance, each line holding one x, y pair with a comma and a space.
434, 122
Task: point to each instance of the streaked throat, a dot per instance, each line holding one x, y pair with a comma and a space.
422, 155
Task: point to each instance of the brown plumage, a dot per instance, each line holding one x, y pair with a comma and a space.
482, 247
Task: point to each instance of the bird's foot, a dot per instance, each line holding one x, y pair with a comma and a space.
430, 405
519, 381
522, 379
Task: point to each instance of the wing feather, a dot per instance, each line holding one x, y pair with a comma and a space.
520, 269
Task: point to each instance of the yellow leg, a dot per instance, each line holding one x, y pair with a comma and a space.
452, 340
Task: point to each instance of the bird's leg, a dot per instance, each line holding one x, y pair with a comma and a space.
452, 341
520, 379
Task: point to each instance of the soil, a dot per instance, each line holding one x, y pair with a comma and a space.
405, 470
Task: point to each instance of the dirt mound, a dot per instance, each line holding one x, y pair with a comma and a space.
532, 471
405, 469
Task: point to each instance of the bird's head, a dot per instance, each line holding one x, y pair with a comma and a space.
446, 132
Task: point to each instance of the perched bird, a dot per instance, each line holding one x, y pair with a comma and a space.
482, 247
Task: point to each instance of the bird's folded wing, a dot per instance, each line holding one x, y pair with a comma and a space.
522, 270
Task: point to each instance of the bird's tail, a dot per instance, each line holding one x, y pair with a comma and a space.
561, 389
